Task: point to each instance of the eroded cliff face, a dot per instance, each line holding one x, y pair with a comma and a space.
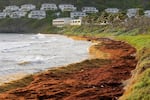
95, 79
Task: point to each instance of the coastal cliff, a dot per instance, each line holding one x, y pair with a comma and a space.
95, 79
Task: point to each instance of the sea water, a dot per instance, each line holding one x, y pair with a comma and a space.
24, 54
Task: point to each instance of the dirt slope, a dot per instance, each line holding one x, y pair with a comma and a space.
95, 79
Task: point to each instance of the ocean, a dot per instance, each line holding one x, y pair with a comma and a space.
25, 54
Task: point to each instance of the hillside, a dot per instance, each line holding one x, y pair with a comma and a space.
30, 25
101, 4
26, 25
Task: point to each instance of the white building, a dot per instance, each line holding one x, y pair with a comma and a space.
60, 22
147, 13
75, 22
17, 14
67, 7
47, 6
77, 14
14, 15
37, 14
27, 7
89, 10
2, 15
132, 12
11, 8
112, 10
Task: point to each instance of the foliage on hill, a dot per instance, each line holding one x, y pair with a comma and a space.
117, 24
26, 25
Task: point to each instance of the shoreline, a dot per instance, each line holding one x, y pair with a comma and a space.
20, 76
81, 71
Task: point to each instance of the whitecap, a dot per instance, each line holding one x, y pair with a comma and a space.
31, 60
38, 36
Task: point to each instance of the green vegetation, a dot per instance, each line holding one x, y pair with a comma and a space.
21, 25
116, 24
26, 25
142, 87
139, 88
138, 41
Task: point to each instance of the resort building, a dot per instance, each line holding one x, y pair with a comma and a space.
11, 8
60, 22
2, 15
27, 7
47, 6
37, 14
112, 10
147, 13
132, 12
14, 15
77, 22
67, 7
89, 10
77, 14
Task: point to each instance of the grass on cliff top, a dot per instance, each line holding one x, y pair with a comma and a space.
140, 87
138, 41
142, 44
140, 90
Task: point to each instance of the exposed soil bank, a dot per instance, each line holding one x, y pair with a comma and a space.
96, 79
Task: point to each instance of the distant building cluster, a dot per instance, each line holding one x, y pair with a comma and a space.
60, 22
132, 12
30, 11
75, 18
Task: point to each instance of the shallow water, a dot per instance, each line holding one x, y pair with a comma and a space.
23, 54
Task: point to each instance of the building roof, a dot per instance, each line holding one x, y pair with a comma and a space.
65, 4
65, 18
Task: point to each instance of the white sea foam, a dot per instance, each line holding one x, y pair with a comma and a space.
38, 36
32, 60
